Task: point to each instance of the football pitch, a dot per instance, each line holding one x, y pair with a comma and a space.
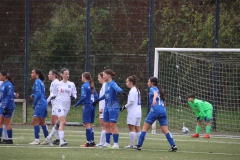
154, 147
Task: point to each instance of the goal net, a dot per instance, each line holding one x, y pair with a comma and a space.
212, 75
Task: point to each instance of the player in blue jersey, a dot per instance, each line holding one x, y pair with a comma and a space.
112, 108
7, 104
39, 104
88, 96
157, 112
3, 125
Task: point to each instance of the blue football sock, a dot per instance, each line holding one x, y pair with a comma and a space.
36, 131
115, 138
92, 134
9, 132
170, 139
45, 131
108, 135
88, 135
1, 132
141, 138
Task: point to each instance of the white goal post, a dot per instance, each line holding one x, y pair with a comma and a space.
24, 109
183, 50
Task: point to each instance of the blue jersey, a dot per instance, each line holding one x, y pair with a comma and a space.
110, 96
7, 95
86, 95
39, 94
160, 102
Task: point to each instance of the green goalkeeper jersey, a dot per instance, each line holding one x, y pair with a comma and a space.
200, 107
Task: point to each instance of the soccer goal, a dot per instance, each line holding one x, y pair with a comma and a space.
211, 74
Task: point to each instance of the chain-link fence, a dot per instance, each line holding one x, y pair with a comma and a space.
84, 35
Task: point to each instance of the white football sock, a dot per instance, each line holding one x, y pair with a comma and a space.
132, 136
61, 136
54, 131
57, 135
5, 131
103, 137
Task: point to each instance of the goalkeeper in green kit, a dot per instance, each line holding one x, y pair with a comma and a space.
203, 110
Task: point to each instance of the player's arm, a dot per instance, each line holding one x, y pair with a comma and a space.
8, 97
194, 109
37, 93
95, 95
83, 97
117, 88
74, 93
201, 107
155, 95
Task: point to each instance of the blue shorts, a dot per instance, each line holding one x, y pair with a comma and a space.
93, 114
40, 112
111, 114
88, 113
8, 114
154, 115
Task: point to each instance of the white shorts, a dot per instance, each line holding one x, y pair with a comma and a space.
101, 115
135, 121
60, 112
54, 113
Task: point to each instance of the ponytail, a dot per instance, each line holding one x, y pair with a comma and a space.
162, 93
40, 74
88, 77
57, 75
154, 80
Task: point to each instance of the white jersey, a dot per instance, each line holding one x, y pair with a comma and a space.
53, 91
1, 82
102, 92
64, 91
134, 103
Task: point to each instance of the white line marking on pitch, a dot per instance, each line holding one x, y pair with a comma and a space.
67, 147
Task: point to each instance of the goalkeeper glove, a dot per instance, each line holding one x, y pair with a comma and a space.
5, 111
123, 93
53, 97
122, 108
198, 119
72, 98
95, 103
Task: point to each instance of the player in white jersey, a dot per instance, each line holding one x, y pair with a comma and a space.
134, 110
66, 92
53, 76
101, 109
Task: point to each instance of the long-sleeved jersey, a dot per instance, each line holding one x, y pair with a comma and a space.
86, 95
7, 95
200, 107
110, 96
65, 90
101, 93
134, 103
39, 93
53, 91
160, 103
